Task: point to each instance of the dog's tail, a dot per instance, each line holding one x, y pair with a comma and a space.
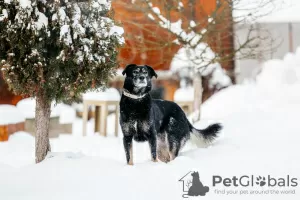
204, 137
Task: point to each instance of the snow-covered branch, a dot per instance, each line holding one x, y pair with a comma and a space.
187, 37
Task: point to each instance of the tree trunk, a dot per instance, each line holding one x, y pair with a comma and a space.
42, 120
197, 96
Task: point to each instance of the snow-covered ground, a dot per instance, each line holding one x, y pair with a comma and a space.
261, 137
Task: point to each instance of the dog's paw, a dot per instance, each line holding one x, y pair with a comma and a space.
261, 181
130, 163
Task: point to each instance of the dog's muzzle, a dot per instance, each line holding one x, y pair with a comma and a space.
140, 82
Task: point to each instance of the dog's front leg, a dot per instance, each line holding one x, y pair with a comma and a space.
127, 141
153, 147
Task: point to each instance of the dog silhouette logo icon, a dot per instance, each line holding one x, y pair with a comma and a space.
192, 186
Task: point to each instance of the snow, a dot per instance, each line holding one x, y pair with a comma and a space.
25, 3
260, 138
42, 21
65, 34
201, 59
10, 115
4, 14
156, 10
65, 112
280, 75
79, 30
184, 94
151, 16
62, 14
275, 89
110, 94
97, 3
219, 78
27, 108
257, 140
293, 59
193, 24
118, 31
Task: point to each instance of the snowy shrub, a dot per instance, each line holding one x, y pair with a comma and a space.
61, 48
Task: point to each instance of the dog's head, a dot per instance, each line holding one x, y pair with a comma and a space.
138, 78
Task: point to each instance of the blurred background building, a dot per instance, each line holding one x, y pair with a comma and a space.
283, 26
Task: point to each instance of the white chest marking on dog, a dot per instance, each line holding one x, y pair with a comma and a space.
135, 125
126, 127
145, 126
130, 126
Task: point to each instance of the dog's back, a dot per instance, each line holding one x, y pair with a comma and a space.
173, 116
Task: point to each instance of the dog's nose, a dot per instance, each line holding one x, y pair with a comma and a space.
142, 78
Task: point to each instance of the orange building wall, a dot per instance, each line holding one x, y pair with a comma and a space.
6, 96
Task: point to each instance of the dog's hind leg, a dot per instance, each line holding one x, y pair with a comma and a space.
127, 141
174, 148
163, 150
163, 154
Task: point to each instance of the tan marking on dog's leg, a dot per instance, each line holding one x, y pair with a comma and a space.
172, 155
163, 154
131, 156
163, 149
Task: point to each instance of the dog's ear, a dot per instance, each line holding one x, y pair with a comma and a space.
151, 71
128, 68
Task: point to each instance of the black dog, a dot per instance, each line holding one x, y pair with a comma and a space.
162, 123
